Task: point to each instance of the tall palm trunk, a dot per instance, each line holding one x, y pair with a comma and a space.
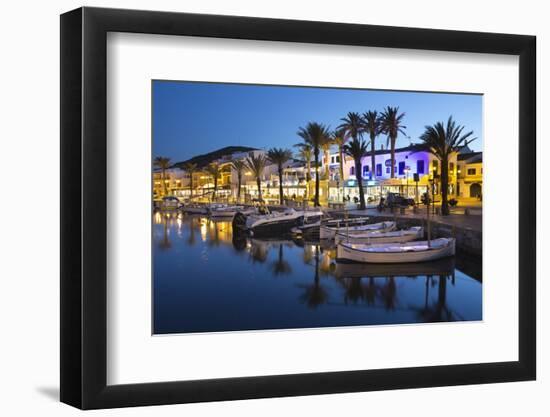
372, 156
341, 155
239, 181
191, 186
259, 184
164, 181
308, 178
359, 177
281, 186
445, 186
316, 156
392, 155
327, 159
215, 187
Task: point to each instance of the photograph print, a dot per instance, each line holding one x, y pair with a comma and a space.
303, 207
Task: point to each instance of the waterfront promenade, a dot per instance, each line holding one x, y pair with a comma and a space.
467, 229
457, 218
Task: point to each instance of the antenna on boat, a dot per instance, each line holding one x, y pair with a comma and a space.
346, 217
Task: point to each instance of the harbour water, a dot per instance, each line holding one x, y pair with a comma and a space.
207, 280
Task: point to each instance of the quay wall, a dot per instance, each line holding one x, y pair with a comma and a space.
468, 240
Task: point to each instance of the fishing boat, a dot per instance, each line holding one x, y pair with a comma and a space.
228, 212
420, 251
372, 237
195, 208
275, 222
312, 229
328, 232
169, 203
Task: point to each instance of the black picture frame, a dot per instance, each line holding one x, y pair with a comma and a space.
84, 207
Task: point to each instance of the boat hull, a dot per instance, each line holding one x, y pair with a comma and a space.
268, 226
348, 252
195, 210
401, 236
277, 227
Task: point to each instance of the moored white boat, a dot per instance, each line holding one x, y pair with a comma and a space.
169, 203
420, 251
373, 237
195, 209
312, 229
328, 232
229, 211
276, 222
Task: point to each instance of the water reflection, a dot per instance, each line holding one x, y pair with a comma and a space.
314, 294
206, 279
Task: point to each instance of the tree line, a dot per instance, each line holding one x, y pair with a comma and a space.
439, 139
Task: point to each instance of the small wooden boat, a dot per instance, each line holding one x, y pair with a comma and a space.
420, 251
328, 232
312, 229
372, 237
169, 203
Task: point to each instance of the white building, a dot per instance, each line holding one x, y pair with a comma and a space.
414, 172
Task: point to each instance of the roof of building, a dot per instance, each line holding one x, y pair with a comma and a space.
471, 157
387, 151
294, 163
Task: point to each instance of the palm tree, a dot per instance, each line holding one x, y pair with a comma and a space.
372, 127
190, 168
339, 139
239, 166
441, 141
315, 135
257, 164
162, 163
214, 170
391, 124
305, 154
357, 149
279, 157
352, 125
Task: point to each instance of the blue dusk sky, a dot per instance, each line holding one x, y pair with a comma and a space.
192, 118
